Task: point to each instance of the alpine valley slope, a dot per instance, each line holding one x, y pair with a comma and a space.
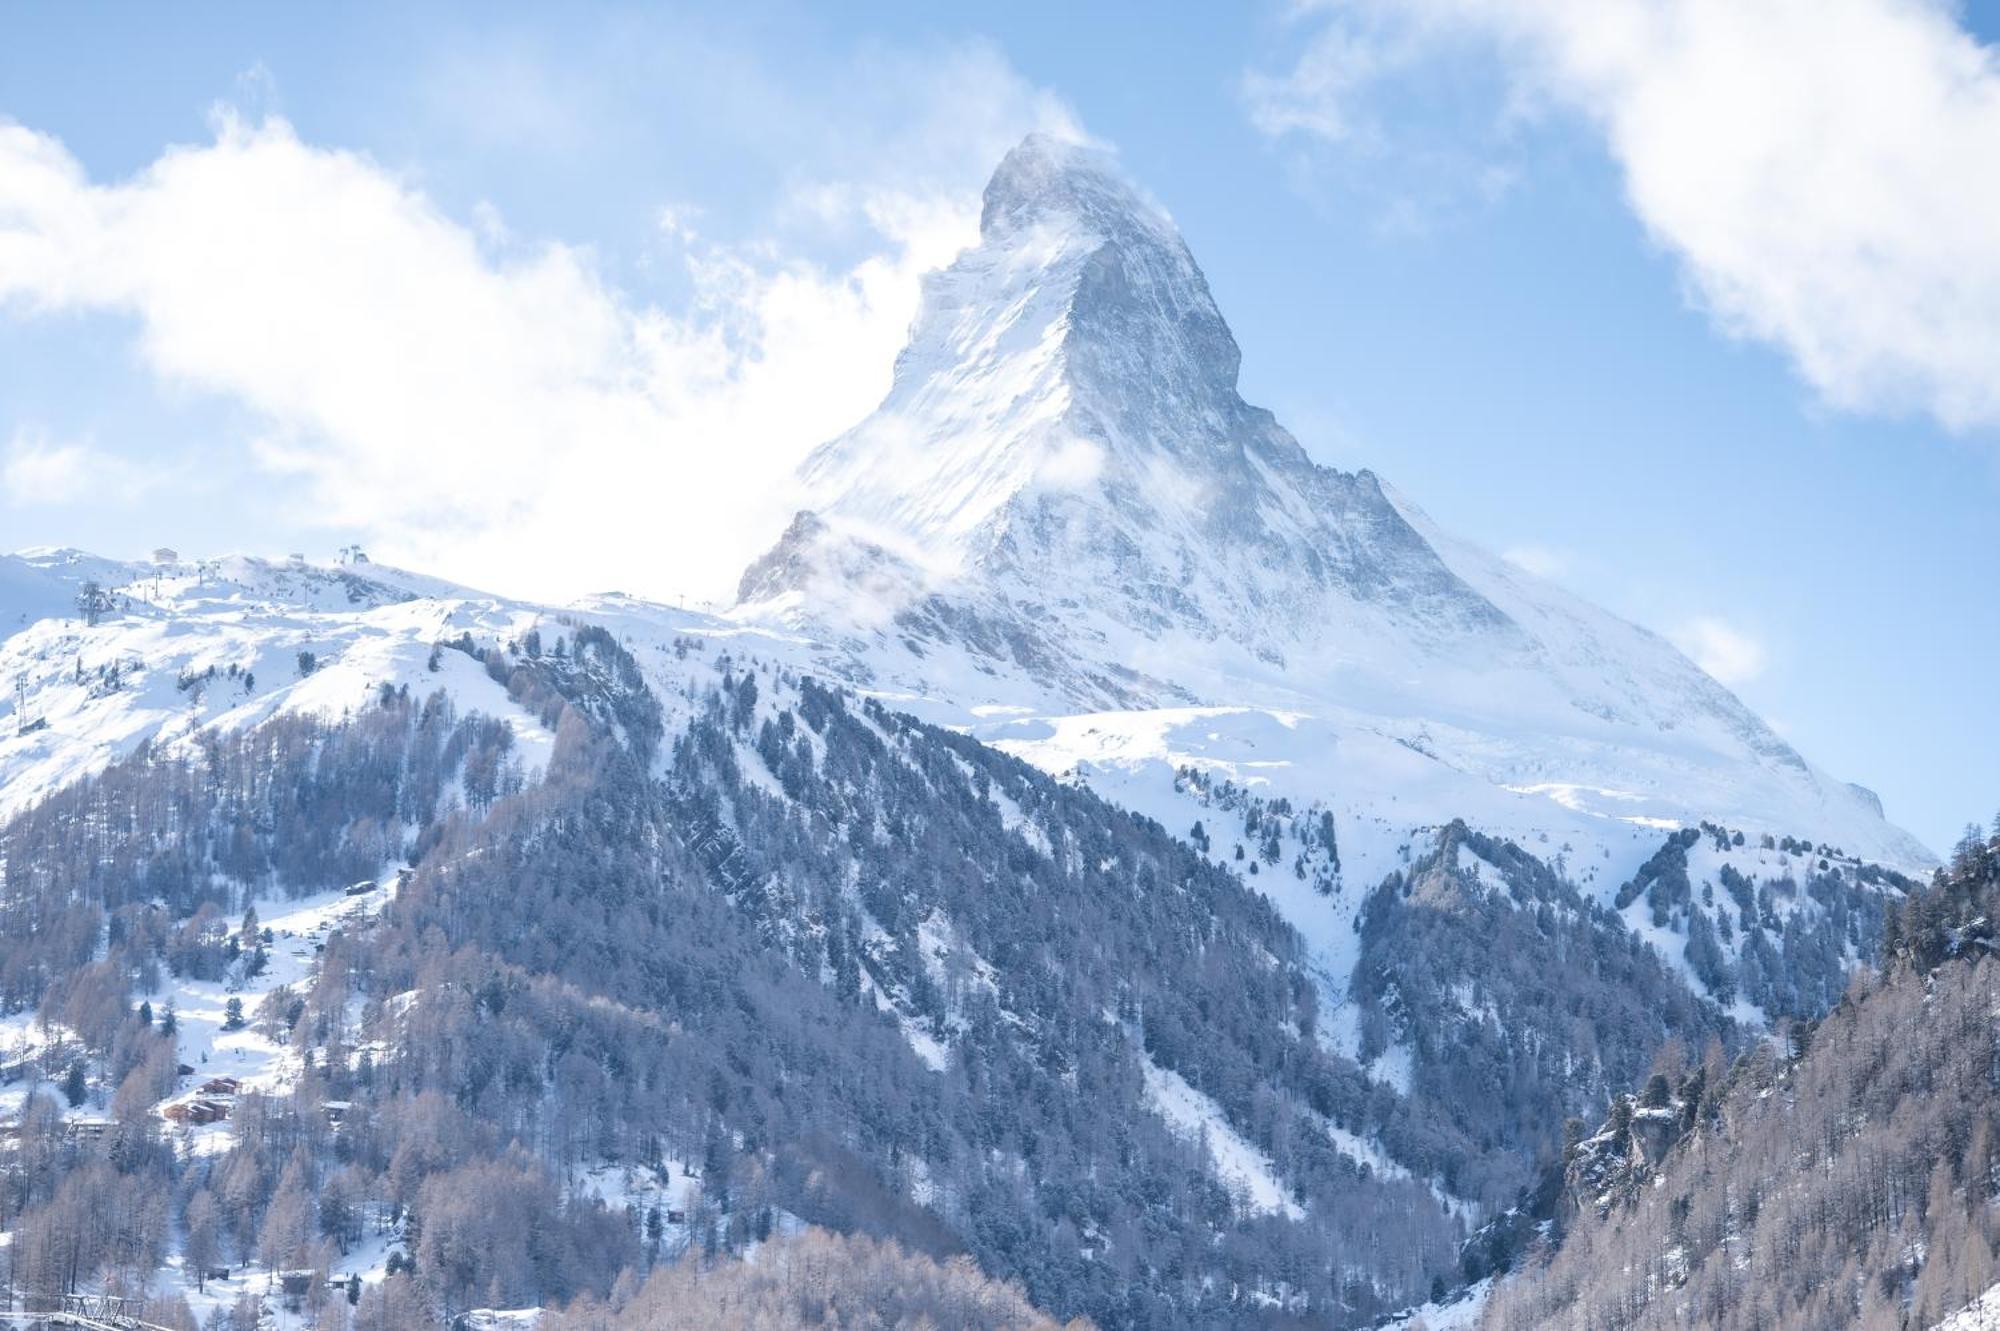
573, 907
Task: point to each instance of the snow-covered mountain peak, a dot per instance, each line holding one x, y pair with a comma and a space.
1063, 506
1065, 418
1138, 297
1048, 179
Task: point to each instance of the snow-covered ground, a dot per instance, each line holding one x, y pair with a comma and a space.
225, 644
368, 1259
1458, 1313
1982, 1314
207, 1041
1386, 798
671, 1185
1246, 1171
25, 1041
296, 929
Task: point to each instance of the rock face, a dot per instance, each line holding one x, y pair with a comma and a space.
1064, 504
1064, 441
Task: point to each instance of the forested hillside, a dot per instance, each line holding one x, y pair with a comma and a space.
1475, 965
1842, 1177
808, 962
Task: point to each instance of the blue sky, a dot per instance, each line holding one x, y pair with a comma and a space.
1484, 248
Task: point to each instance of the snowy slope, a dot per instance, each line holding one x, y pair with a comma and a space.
1246, 1170
220, 643
43, 583
228, 643
1983, 1314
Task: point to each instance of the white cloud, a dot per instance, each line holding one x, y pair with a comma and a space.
1071, 465
1402, 108
1541, 560
1324, 92
1725, 651
1821, 168
489, 409
38, 471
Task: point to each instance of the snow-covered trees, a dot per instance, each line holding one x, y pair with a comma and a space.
285, 1237
291, 808
201, 1236
93, 602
